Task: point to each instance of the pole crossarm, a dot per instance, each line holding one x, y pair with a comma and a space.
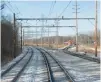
48, 26
54, 18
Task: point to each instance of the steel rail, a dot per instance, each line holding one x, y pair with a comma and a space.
50, 73
82, 56
19, 73
68, 75
9, 68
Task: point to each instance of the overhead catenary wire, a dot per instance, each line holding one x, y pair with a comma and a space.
65, 8
91, 22
50, 12
62, 13
15, 9
9, 8
52, 7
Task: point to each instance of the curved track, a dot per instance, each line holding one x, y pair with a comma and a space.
12, 65
17, 68
52, 78
49, 66
82, 56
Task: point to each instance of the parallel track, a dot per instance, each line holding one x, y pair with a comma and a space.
68, 76
11, 67
50, 73
82, 56
18, 74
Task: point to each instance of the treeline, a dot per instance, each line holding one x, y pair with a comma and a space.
8, 36
87, 39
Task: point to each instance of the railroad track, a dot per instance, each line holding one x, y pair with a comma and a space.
14, 72
12, 65
82, 56
50, 62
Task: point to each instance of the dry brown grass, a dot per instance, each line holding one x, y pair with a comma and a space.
83, 48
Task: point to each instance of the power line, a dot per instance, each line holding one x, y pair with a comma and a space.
91, 22
52, 7
9, 8
16, 10
50, 12
65, 8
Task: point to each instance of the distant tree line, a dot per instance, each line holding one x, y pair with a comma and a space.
83, 38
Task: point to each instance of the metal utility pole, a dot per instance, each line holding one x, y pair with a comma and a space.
96, 30
36, 33
76, 28
76, 23
57, 34
42, 32
41, 38
63, 41
48, 38
34, 39
14, 41
21, 37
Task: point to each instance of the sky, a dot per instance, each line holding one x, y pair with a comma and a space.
35, 9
